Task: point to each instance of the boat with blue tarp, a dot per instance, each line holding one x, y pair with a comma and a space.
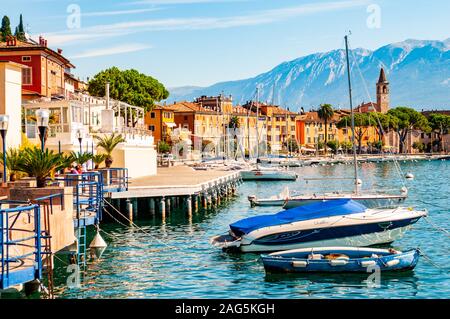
342, 222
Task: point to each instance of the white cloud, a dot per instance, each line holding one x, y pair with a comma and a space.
257, 18
125, 48
182, 1
117, 12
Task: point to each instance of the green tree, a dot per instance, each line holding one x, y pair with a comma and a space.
163, 147
108, 143
5, 30
98, 159
408, 119
326, 113
129, 86
20, 30
440, 124
334, 145
419, 146
292, 145
362, 123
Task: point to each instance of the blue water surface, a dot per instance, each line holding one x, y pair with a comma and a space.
173, 259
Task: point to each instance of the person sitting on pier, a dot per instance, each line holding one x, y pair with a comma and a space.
74, 170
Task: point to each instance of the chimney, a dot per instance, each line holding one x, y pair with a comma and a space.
60, 51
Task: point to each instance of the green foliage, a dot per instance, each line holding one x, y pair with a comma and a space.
326, 113
320, 145
408, 119
292, 145
80, 158
5, 29
234, 122
419, 146
20, 31
163, 147
109, 142
13, 157
129, 86
334, 145
98, 159
346, 146
362, 122
40, 164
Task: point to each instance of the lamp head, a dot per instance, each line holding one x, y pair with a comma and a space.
42, 117
4, 122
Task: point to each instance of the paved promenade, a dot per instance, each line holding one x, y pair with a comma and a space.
176, 181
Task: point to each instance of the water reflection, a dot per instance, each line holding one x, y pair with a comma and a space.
173, 258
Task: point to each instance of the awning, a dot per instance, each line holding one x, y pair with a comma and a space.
170, 124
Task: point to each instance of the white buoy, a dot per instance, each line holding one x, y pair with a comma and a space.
358, 182
404, 190
97, 246
409, 176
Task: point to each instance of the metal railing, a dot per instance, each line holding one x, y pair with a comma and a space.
20, 248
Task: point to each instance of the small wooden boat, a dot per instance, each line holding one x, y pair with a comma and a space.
340, 259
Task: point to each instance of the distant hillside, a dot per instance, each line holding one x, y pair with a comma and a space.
419, 73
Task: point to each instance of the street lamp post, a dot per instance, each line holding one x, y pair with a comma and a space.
4, 121
80, 140
42, 118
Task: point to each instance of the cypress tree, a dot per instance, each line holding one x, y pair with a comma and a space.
20, 30
5, 30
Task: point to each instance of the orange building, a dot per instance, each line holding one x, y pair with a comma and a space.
161, 121
44, 75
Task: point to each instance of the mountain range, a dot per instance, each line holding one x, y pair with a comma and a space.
418, 72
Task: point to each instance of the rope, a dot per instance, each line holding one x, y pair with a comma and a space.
134, 225
436, 227
431, 261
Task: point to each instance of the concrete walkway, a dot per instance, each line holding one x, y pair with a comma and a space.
176, 181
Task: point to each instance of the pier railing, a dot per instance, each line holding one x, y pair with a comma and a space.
20, 245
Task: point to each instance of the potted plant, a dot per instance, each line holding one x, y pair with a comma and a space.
41, 164
108, 143
80, 158
98, 159
13, 157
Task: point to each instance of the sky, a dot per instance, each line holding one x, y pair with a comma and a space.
201, 42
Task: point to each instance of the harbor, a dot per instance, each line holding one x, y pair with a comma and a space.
172, 257
132, 175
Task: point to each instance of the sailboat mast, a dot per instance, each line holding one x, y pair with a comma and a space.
352, 115
257, 122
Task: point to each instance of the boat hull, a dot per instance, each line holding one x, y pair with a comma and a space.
296, 262
362, 240
268, 176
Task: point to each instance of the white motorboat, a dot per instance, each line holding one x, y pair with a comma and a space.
277, 200
331, 223
268, 174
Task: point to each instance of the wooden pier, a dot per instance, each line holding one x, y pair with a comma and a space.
175, 187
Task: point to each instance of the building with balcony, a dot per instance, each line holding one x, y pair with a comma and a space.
72, 121
44, 72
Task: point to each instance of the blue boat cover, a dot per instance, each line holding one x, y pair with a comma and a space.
311, 211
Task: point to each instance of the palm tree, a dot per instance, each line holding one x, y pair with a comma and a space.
108, 144
41, 164
80, 158
98, 159
13, 157
326, 113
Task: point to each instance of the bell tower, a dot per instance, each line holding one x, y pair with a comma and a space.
382, 93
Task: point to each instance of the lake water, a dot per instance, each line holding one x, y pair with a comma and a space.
177, 261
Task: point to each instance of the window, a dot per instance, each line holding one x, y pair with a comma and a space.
151, 128
26, 59
27, 78
152, 115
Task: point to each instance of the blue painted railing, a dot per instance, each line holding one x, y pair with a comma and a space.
19, 267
